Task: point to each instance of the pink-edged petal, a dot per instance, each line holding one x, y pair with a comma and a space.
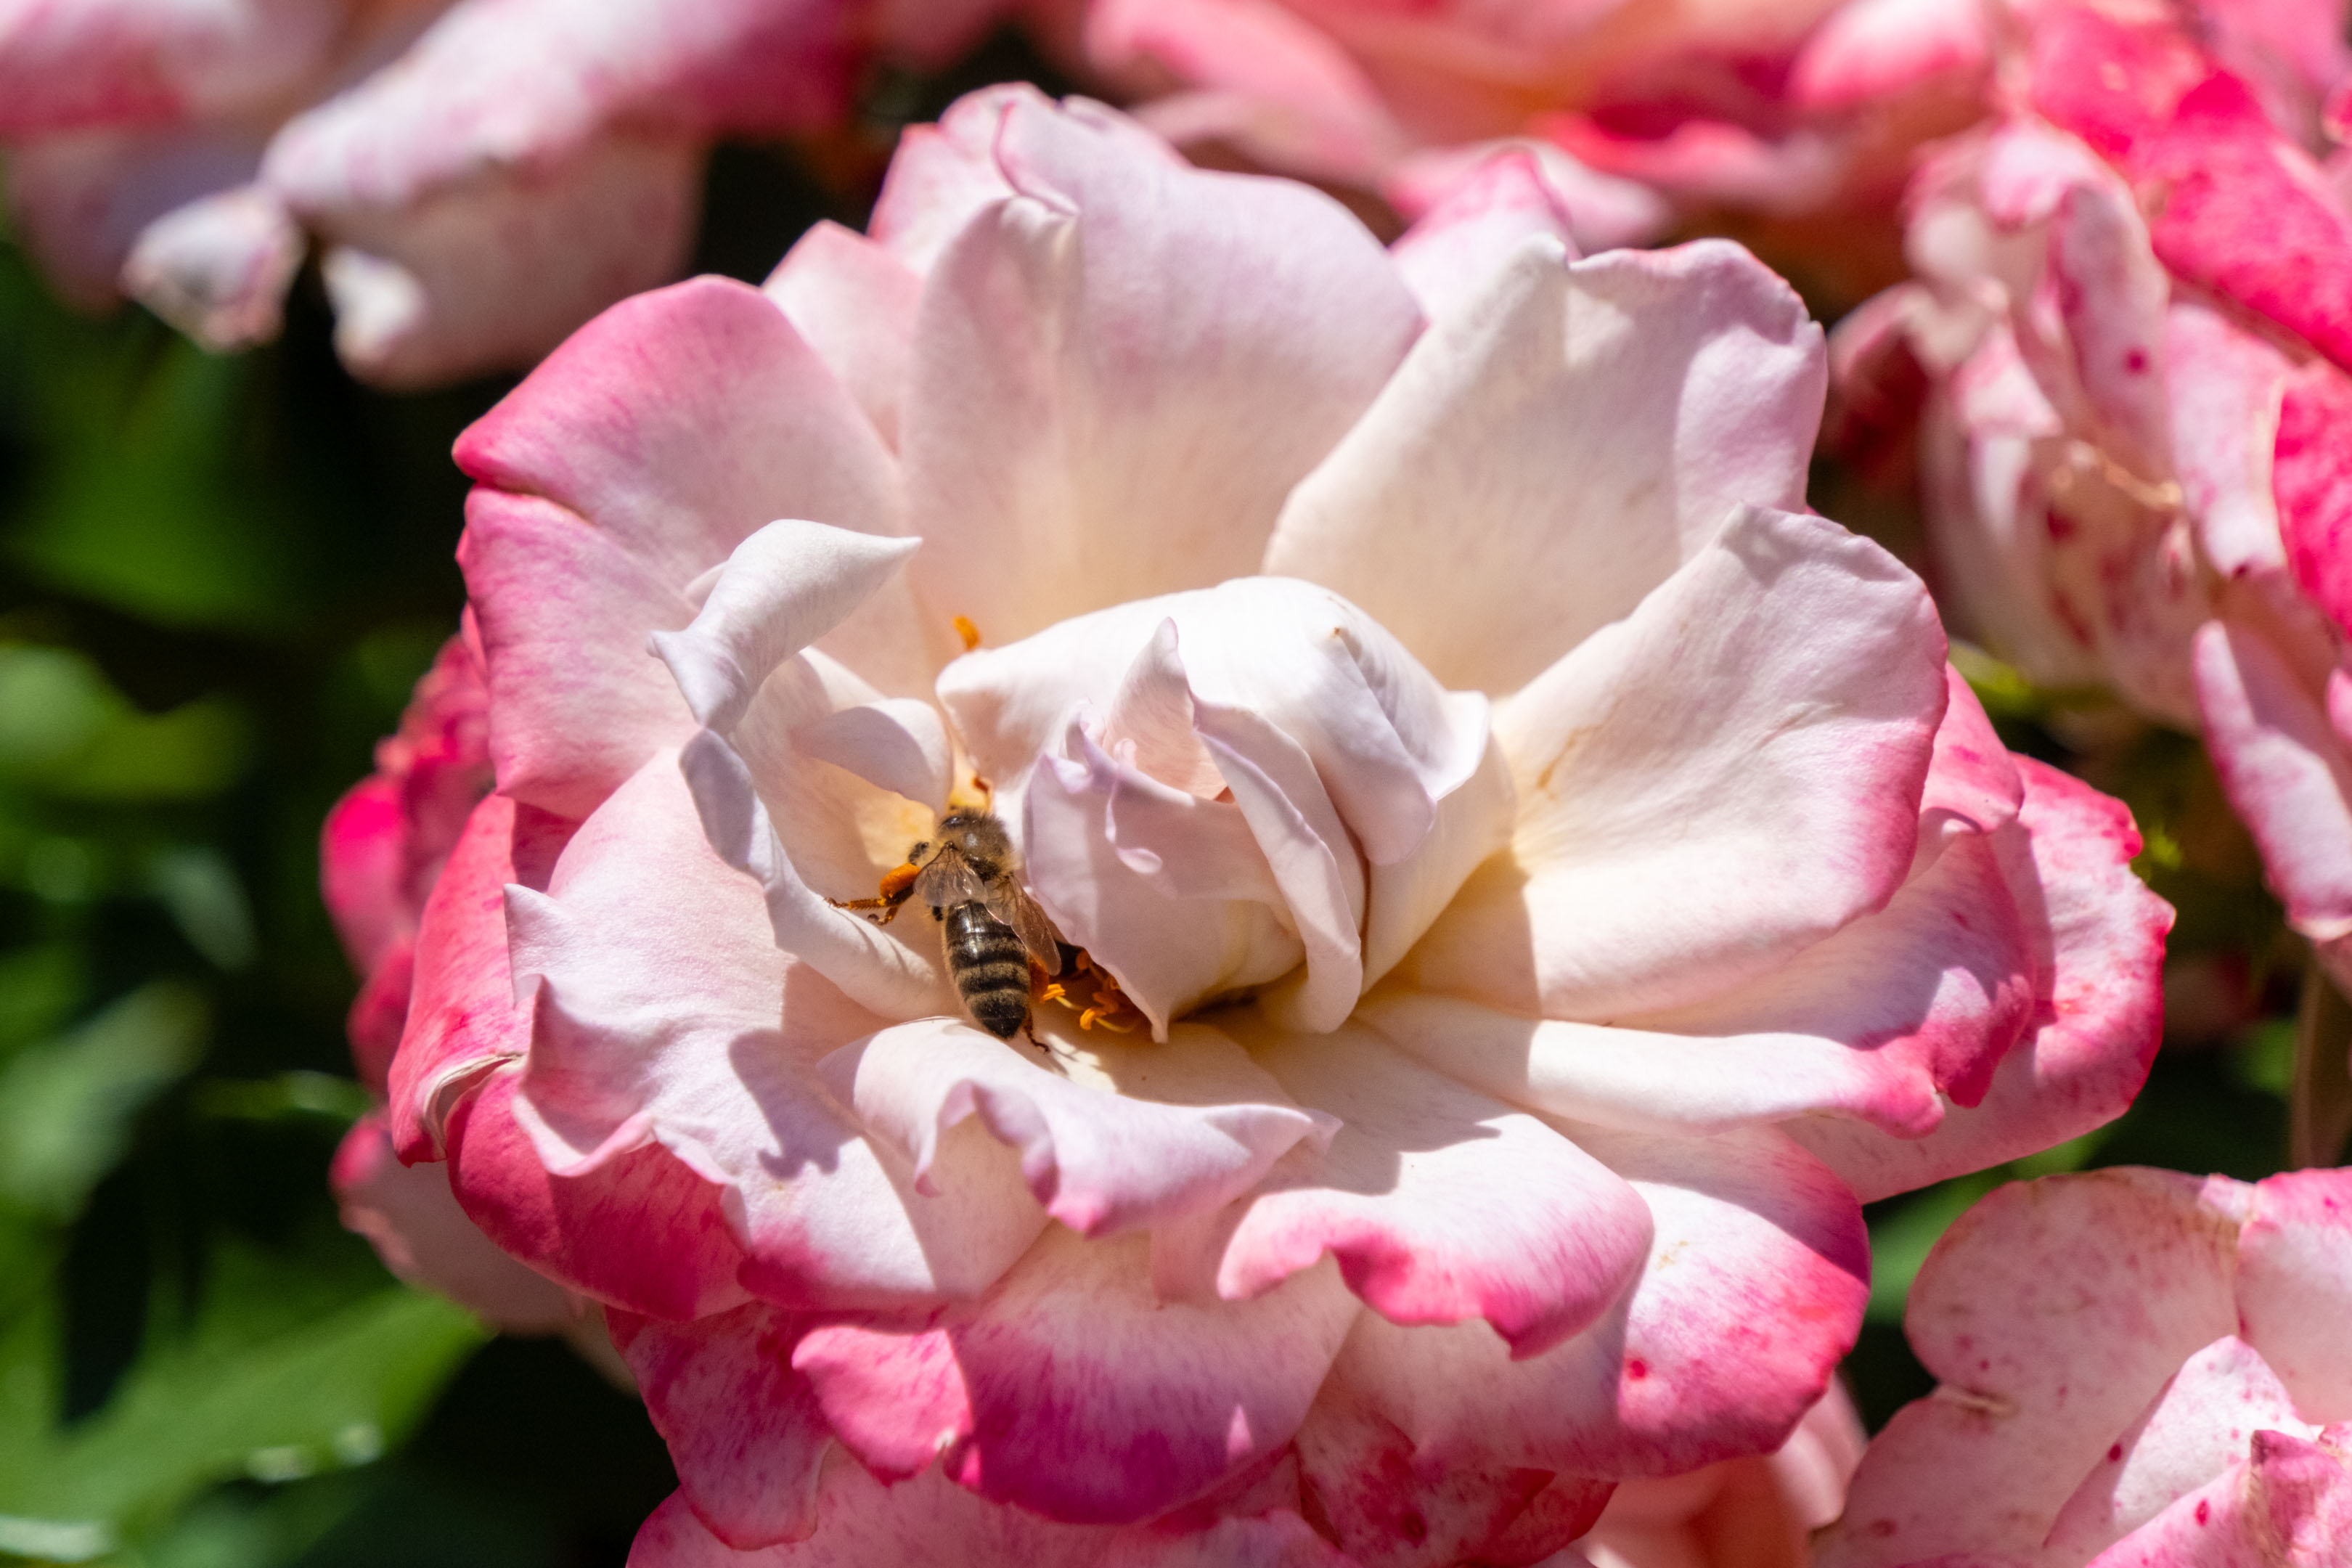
854, 302
1119, 371
67, 65
2193, 1432
2097, 938
564, 609
1440, 1205
878, 972
2285, 768
1070, 1391
2063, 1354
1772, 707
641, 1232
665, 1014
2313, 486
219, 268
408, 1213
1604, 212
1973, 785
462, 1019
2294, 1278
1887, 1021
1262, 77
1752, 1290
2224, 385
1453, 251
2289, 1504
505, 86
743, 1429
493, 274
678, 422
781, 589
1165, 1130
1872, 49
1580, 429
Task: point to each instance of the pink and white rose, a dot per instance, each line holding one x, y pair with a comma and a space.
2134, 318
1559, 876
479, 176
2139, 1369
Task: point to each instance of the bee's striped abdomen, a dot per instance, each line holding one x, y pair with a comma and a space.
991, 969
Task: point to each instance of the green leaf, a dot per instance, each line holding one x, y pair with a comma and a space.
66, 731
40, 988
66, 1105
329, 1394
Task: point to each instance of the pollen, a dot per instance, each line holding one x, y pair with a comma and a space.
970, 633
1094, 996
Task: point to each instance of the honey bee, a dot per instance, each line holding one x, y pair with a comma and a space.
989, 925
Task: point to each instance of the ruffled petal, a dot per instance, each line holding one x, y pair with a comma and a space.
2098, 937
1188, 1125
743, 1429
2290, 1503
1070, 1391
781, 589
1580, 429
1119, 371
1440, 1205
1757, 1247
2223, 384
664, 1014
1707, 787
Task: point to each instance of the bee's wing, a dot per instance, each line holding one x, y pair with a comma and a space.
1010, 903
946, 881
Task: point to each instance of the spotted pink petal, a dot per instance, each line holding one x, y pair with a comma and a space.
1070, 1391
1554, 424
2313, 486
2224, 385
2291, 1503
1642, 784
2295, 1275
1255, 320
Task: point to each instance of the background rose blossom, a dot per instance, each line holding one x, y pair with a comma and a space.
480, 176
1615, 1092
2130, 319
2138, 1368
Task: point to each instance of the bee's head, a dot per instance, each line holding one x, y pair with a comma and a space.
976, 833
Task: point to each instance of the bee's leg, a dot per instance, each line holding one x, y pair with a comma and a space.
1029, 1027
896, 884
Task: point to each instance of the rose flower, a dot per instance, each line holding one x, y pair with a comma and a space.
2139, 1369
482, 176
2133, 323
1518, 882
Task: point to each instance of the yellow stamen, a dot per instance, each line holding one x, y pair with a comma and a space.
970, 633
